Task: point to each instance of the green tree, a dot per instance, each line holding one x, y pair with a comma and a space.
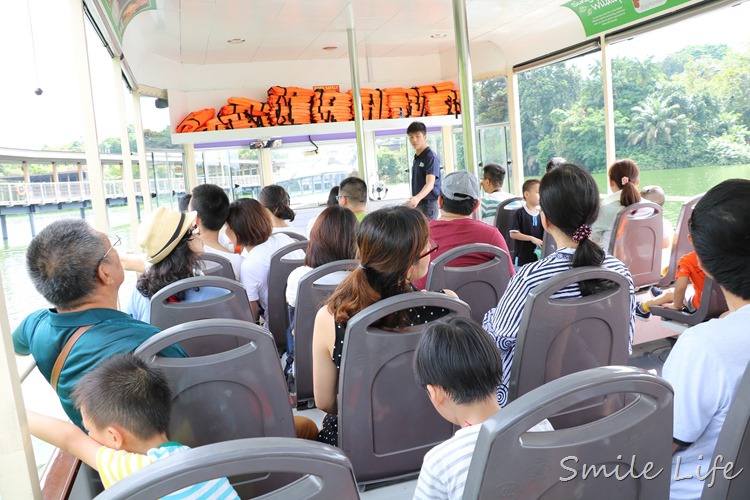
491, 101
655, 121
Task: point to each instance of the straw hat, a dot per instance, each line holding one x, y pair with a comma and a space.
162, 231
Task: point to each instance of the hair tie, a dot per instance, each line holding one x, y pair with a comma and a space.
582, 233
362, 267
624, 180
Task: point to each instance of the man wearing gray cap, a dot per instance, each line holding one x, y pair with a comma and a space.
459, 198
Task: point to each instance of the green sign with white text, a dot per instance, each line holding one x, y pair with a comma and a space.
598, 16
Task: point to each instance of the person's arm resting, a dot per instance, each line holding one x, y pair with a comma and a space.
65, 436
325, 375
680, 287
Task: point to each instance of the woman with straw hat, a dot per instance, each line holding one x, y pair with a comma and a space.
166, 237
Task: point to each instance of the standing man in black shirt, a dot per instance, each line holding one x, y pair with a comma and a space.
425, 172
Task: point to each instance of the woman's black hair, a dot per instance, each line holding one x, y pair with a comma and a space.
181, 263
276, 199
570, 198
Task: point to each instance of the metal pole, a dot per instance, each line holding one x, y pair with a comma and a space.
461, 30
189, 170
156, 179
357, 99
81, 72
609, 111
205, 167
141, 144
516, 149
126, 167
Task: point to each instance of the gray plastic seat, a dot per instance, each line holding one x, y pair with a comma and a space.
234, 394
558, 337
549, 245
386, 421
277, 315
481, 285
680, 245
216, 265
506, 211
232, 305
327, 473
509, 462
713, 305
734, 446
293, 235
310, 297
637, 241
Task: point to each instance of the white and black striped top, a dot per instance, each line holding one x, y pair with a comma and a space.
503, 321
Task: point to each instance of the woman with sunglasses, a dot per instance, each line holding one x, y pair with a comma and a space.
393, 247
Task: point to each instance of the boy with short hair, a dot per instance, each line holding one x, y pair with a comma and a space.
683, 295
425, 172
125, 404
527, 227
212, 205
493, 177
459, 365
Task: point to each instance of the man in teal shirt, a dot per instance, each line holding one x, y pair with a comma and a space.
77, 269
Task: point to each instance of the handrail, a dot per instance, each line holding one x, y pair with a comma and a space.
26, 370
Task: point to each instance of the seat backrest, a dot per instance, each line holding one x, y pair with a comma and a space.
234, 394
278, 273
637, 241
386, 421
311, 297
557, 337
506, 210
293, 235
481, 285
216, 265
232, 305
549, 245
734, 446
326, 472
681, 245
713, 304
510, 462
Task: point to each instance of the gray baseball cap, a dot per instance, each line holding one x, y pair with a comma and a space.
460, 186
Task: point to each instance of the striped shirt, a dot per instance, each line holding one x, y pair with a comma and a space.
503, 321
445, 467
114, 465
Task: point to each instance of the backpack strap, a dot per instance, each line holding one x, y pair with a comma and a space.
60, 361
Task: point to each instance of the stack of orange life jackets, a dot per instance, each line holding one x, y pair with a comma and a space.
445, 102
331, 106
374, 106
397, 99
289, 105
195, 120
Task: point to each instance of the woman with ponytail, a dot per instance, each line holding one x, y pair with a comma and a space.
570, 204
276, 200
623, 181
393, 248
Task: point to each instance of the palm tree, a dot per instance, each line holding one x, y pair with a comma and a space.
655, 121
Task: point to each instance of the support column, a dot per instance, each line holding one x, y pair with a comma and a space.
54, 173
18, 475
372, 156
25, 168
141, 144
126, 167
609, 111
461, 30
449, 152
189, 170
516, 145
4, 227
351, 38
266, 167
81, 71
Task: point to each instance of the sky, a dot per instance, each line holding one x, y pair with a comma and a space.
30, 121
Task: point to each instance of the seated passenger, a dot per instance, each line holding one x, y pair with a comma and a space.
249, 226
333, 237
687, 290
393, 245
709, 359
623, 181
527, 228
570, 202
125, 404
211, 204
492, 185
333, 196
172, 251
655, 194
275, 199
459, 366
353, 195
78, 271
459, 198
